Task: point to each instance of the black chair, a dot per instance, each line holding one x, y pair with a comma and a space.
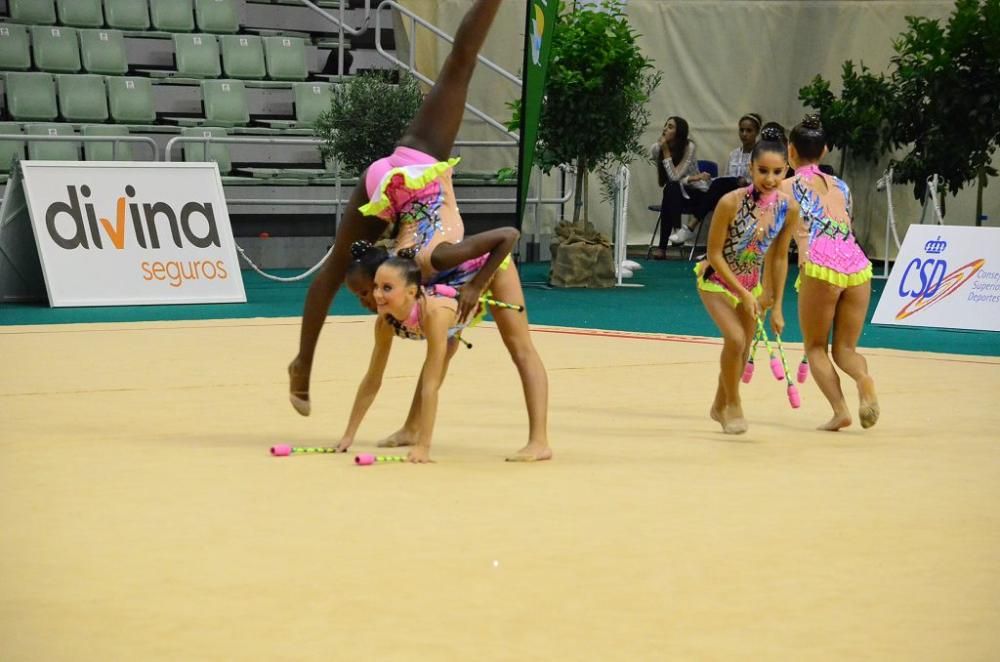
712, 168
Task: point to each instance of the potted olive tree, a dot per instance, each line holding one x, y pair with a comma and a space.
946, 82
939, 103
593, 116
367, 118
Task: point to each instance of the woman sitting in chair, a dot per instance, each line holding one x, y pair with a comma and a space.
683, 185
739, 159
737, 172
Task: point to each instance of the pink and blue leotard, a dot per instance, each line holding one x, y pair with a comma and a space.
828, 249
414, 190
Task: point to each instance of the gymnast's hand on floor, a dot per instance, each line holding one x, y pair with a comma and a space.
344, 444
419, 455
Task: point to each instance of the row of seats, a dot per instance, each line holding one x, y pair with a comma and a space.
67, 50
165, 15
12, 148
129, 100
60, 49
70, 150
59, 150
193, 151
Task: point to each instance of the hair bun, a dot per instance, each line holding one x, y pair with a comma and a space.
772, 134
360, 248
812, 121
407, 253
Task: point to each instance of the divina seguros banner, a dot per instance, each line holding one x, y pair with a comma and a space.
130, 233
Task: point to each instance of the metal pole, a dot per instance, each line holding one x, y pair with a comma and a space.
413, 43
339, 194
340, 45
889, 220
327, 16
536, 252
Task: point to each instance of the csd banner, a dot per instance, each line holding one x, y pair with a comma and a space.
108, 234
945, 276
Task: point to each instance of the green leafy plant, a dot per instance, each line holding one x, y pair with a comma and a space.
367, 117
946, 82
506, 174
940, 102
594, 111
856, 122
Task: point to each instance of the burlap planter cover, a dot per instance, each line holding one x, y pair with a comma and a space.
581, 258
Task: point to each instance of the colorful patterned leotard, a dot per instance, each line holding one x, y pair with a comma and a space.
434, 298
744, 250
828, 249
414, 190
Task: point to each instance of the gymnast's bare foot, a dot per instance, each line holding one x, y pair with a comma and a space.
718, 404
869, 410
401, 437
733, 421
298, 387
535, 451
840, 419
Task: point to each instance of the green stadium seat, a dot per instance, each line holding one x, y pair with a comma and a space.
82, 98
51, 150
31, 96
130, 100
217, 15
242, 57
56, 48
311, 99
127, 14
218, 152
285, 58
101, 151
172, 15
103, 52
80, 13
225, 103
197, 55
9, 149
32, 12
15, 50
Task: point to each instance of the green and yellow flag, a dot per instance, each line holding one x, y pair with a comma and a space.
539, 27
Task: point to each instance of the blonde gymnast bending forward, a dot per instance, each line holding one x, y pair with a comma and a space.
410, 310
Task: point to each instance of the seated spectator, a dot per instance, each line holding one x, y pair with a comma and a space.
739, 159
683, 185
737, 174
